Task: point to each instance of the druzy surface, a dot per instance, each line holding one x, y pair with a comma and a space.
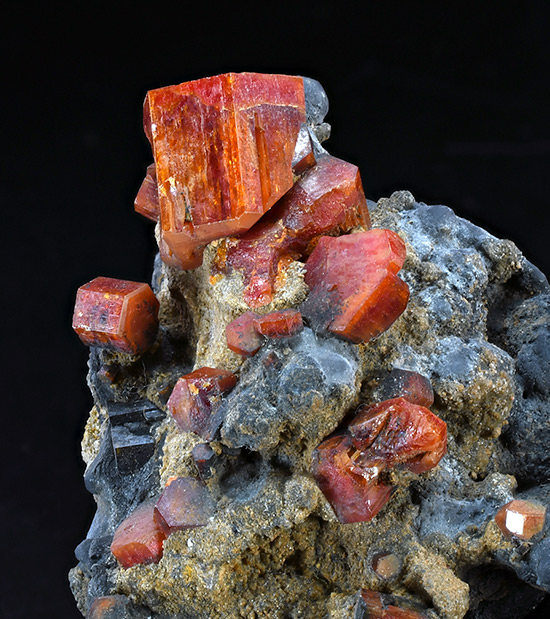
223, 149
116, 314
328, 199
354, 288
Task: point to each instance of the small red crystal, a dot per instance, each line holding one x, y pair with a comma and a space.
223, 149
399, 432
283, 323
147, 199
139, 539
195, 397
354, 289
116, 314
185, 503
108, 607
378, 608
521, 519
242, 336
328, 199
409, 385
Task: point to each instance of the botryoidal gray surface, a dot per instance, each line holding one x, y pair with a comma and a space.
477, 325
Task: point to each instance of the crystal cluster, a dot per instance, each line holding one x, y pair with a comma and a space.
303, 417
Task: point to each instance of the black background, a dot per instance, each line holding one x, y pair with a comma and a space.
438, 98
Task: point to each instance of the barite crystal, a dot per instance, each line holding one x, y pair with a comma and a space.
116, 314
394, 433
195, 398
132, 450
522, 519
328, 199
223, 149
354, 288
139, 538
185, 503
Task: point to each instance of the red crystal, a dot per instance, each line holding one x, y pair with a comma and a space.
195, 398
521, 519
283, 323
354, 289
381, 437
328, 199
147, 199
399, 432
242, 336
223, 149
354, 496
116, 314
139, 539
108, 607
412, 386
185, 503
378, 608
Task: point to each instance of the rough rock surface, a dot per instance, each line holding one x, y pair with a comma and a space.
477, 325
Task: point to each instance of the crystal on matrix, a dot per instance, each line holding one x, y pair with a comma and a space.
116, 314
354, 288
386, 565
132, 450
242, 335
139, 538
377, 606
195, 398
394, 433
147, 199
283, 323
223, 149
328, 199
522, 519
185, 503
110, 607
409, 385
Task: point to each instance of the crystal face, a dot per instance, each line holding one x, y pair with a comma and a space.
328, 199
394, 433
139, 538
147, 199
224, 149
116, 314
354, 288
376, 606
522, 519
195, 397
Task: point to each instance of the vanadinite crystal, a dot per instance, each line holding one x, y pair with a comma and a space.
375, 606
195, 397
283, 323
116, 314
109, 607
328, 199
521, 519
409, 385
381, 437
224, 149
185, 503
147, 199
139, 538
354, 288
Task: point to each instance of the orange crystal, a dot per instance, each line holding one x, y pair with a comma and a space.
378, 608
195, 397
521, 519
116, 314
147, 199
409, 385
282, 323
139, 539
223, 149
354, 288
328, 199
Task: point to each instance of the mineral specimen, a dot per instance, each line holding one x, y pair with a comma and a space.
116, 314
304, 472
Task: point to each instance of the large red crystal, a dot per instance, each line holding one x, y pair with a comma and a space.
185, 503
354, 288
116, 314
223, 149
381, 437
139, 538
328, 199
521, 519
195, 398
